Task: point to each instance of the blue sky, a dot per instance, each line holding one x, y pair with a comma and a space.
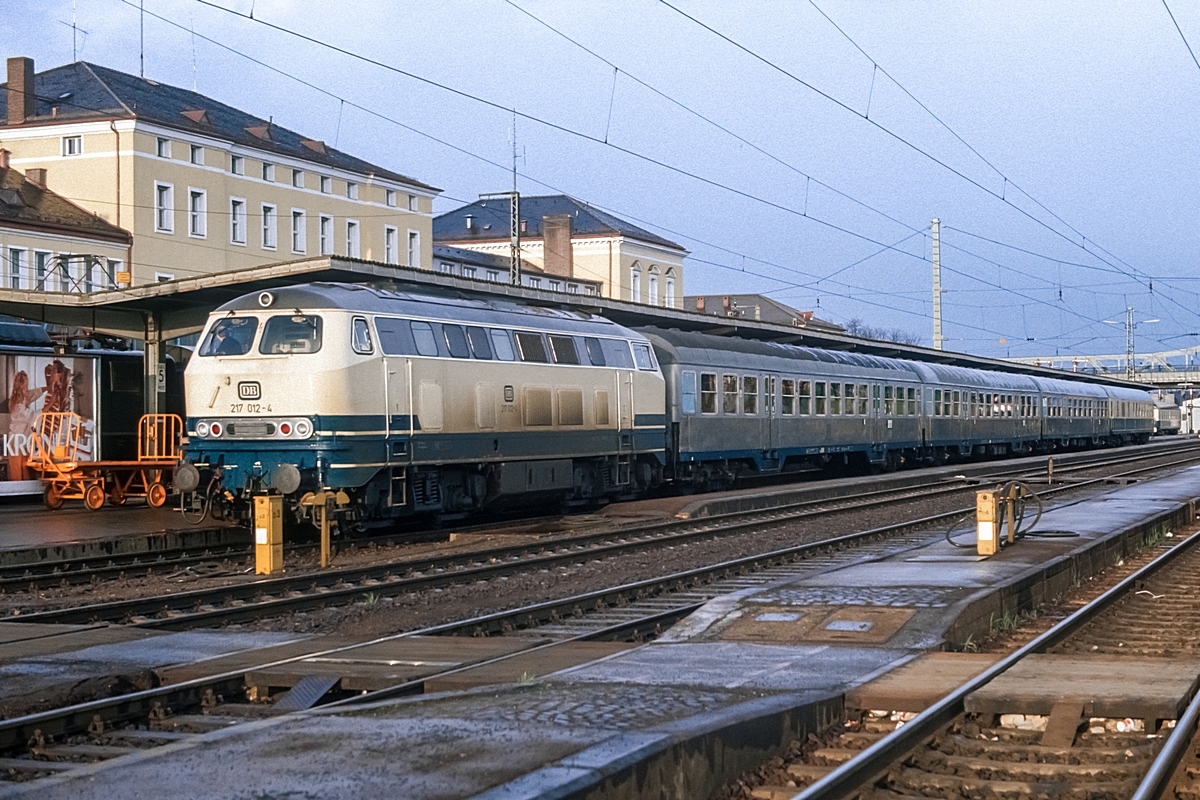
1082, 116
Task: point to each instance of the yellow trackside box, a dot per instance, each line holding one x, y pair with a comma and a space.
987, 523
268, 534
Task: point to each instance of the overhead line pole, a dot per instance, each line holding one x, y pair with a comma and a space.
938, 339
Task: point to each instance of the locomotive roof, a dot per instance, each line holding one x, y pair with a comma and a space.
447, 305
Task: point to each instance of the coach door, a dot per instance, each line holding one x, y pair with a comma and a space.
770, 414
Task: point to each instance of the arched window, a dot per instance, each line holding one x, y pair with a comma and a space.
635, 285
669, 292
652, 288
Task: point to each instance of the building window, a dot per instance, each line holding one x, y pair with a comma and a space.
237, 221
268, 226
163, 277
556, 286
468, 272
446, 268
635, 286
652, 289
237, 165
72, 145
114, 266
390, 197
414, 249
352, 190
390, 253
493, 275
197, 218
669, 291
535, 283
412, 203
298, 178
352, 238
164, 147
326, 184
268, 172
164, 207
325, 234
299, 231
197, 155
41, 267
16, 267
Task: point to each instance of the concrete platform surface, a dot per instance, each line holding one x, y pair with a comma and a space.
749, 664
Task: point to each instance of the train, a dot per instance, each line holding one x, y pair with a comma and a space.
425, 401
1168, 417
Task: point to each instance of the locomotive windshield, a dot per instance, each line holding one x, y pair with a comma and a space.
293, 333
231, 336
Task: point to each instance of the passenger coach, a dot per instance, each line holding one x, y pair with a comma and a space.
420, 402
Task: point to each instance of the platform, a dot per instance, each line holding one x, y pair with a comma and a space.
701, 704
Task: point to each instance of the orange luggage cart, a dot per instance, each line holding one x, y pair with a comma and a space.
54, 452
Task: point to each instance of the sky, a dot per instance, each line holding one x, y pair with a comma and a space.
798, 149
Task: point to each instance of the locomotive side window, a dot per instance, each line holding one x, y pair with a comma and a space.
502, 345
616, 353
563, 348
395, 337
708, 393
641, 355
787, 400
819, 398
729, 390
478, 339
532, 348
835, 398
750, 395
297, 333
595, 351
231, 336
422, 333
360, 337
687, 391
456, 341
803, 392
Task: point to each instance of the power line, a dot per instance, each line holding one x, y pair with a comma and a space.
1181, 36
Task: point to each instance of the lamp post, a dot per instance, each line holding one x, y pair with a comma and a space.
1130, 327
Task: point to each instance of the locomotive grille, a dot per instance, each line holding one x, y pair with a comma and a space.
251, 430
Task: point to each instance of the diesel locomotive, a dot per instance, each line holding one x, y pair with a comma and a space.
429, 402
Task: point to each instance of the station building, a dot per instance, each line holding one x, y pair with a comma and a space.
568, 245
201, 187
757, 306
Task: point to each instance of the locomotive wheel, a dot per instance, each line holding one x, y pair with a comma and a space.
156, 495
93, 498
52, 498
117, 497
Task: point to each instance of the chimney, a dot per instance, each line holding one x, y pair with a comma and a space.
556, 242
20, 90
36, 176
470, 222
3, 158
700, 303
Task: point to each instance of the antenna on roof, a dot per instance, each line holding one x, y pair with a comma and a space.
75, 31
142, 39
193, 21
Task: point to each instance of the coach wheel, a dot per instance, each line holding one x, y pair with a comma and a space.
117, 497
93, 498
157, 495
52, 497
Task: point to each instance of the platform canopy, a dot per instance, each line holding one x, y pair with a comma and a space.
158, 312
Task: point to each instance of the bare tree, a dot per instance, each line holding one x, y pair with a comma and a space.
856, 327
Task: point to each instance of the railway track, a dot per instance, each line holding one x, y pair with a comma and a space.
224, 560
964, 746
273, 597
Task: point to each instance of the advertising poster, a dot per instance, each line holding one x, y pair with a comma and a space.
33, 384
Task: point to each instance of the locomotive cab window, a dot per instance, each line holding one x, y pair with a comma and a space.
478, 339
595, 351
708, 393
360, 337
456, 341
641, 355
563, 348
295, 333
532, 348
231, 336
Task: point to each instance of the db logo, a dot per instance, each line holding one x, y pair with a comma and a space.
249, 390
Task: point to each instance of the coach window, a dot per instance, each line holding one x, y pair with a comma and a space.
361, 337
708, 393
819, 398
835, 398
957, 410
502, 345
937, 402
231, 336
291, 333
595, 351
803, 398
532, 348
889, 403
456, 341
687, 391
478, 339
563, 348
787, 403
422, 333
749, 395
914, 395
863, 399
641, 355
729, 394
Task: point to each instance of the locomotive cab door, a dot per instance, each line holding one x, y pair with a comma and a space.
400, 413
625, 409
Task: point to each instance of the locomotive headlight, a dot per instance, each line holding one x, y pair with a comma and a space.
202, 430
303, 428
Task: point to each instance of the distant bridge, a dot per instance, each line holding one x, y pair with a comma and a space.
1166, 369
